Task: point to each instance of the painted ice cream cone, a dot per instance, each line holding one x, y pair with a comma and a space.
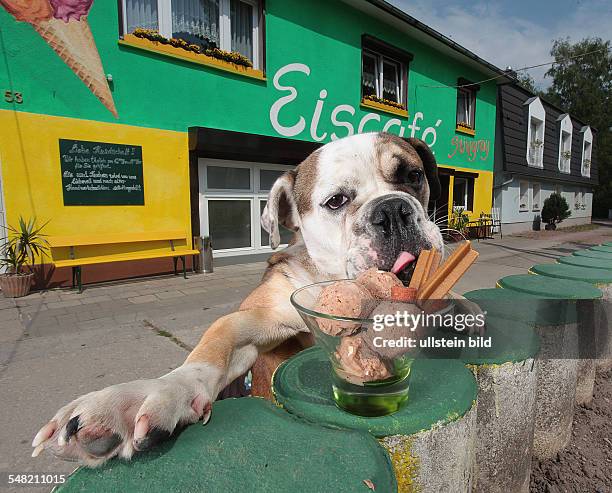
75, 44
63, 25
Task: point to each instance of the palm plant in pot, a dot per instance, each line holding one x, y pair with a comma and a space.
18, 251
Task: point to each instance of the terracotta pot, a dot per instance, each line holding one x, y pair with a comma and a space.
15, 286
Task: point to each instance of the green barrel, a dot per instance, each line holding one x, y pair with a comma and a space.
593, 254
592, 263
602, 248
249, 445
558, 365
427, 440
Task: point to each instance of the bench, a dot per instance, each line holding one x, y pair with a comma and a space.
78, 259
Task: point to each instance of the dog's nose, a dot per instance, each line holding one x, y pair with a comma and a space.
392, 215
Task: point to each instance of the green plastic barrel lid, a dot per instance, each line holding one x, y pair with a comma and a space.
511, 342
593, 254
608, 243
573, 272
517, 306
249, 445
549, 288
441, 391
593, 263
602, 248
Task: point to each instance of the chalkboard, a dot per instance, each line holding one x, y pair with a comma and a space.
99, 173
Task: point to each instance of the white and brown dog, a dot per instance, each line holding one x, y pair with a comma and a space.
353, 204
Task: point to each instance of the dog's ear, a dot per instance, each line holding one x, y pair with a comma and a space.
430, 165
280, 208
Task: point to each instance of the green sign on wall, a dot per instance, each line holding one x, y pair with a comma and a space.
99, 173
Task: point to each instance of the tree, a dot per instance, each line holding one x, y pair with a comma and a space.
555, 210
525, 80
582, 85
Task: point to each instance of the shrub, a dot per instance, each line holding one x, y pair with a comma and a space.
555, 210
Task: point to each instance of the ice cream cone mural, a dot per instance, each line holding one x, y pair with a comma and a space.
63, 25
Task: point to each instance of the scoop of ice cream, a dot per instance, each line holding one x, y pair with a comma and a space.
31, 11
343, 299
387, 343
378, 282
358, 363
70, 9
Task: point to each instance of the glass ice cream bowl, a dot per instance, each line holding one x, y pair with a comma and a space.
371, 358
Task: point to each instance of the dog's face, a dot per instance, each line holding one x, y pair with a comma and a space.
358, 202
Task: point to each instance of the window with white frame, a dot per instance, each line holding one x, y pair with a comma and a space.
383, 72
466, 104
523, 196
536, 120
233, 195
577, 202
535, 196
565, 143
230, 25
587, 150
583, 203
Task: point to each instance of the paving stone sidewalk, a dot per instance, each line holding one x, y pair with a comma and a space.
58, 344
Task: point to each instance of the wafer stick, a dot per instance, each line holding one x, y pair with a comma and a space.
446, 270
435, 259
418, 276
447, 284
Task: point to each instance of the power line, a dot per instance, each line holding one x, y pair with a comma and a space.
517, 70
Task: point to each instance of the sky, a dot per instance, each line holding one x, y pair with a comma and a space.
518, 33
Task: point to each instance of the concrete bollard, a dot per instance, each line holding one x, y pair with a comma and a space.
248, 445
430, 441
601, 279
554, 317
507, 378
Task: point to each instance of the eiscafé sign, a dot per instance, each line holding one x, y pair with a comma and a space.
342, 116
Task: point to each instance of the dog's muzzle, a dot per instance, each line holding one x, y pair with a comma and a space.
393, 218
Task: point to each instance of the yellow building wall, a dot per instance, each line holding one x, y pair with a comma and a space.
31, 174
483, 191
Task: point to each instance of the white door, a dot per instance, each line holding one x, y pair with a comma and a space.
232, 197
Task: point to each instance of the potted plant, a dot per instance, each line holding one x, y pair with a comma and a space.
566, 154
554, 211
537, 143
587, 163
457, 224
20, 248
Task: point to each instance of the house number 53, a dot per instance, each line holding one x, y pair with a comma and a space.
13, 97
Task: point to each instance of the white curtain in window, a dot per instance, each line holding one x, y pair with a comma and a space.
390, 81
464, 113
141, 13
369, 77
241, 20
198, 18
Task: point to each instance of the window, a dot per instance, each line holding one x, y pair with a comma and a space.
384, 72
233, 194
466, 104
565, 143
577, 202
536, 118
583, 200
230, 25
587, 150
463, 192
523, 196
535, 196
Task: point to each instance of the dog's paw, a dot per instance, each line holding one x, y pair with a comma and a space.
122, 419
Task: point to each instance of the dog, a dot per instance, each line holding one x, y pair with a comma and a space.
354, 203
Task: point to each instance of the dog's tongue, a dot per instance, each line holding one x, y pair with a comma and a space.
403, 259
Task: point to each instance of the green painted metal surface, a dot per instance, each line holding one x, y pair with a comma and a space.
546, 287
593, 263
440, 391
574, 273
322, 36
602, 248
248, 446
593, 254
608, 243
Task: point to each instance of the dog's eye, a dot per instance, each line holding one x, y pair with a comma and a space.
414, 177
336, 201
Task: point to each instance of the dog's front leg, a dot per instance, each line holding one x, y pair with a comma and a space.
133, 416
